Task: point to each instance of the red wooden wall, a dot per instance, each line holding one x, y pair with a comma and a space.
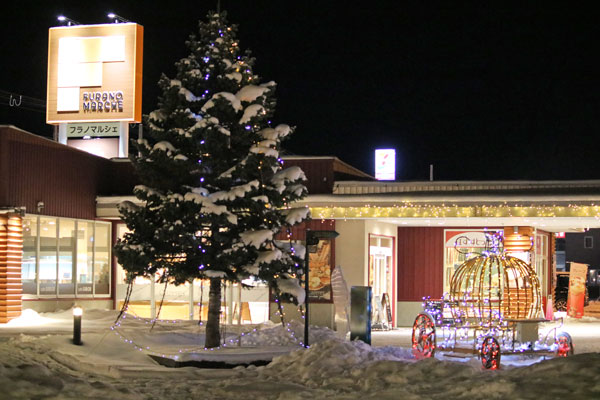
34, 169
420, 262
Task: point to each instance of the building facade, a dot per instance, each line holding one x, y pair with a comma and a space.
59, 221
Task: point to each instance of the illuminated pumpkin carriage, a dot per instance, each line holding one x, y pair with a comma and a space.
493, 308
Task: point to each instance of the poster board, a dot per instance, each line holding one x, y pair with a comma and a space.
319, 284
577, 285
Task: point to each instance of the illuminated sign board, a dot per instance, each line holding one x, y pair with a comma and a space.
385, 164
95, 73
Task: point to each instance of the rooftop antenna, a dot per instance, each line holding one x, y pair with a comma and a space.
431, 172
218, 6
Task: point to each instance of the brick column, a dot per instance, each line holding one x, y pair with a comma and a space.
11, 250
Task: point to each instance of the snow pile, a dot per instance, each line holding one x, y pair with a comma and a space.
38, 360
271, 334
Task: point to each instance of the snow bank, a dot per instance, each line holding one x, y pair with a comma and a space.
41, 362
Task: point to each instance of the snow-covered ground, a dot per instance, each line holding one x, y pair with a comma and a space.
38, 361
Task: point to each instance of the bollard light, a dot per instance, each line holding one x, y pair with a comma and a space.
77, 313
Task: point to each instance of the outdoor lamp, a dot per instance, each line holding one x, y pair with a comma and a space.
77, 313
117, 18
69, 21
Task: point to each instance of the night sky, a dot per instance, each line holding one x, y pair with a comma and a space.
480, 92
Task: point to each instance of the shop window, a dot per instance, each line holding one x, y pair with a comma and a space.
65, 257
588, 242
29, 263
47, 256
102, 259
85, 257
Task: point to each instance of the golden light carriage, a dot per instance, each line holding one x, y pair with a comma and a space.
493, 308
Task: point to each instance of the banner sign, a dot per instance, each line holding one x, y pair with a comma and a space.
577, 283
319, 284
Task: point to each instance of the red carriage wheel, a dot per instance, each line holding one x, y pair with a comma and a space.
490, 353
423, 336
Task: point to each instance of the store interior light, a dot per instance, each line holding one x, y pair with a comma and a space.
117, 18
69, 21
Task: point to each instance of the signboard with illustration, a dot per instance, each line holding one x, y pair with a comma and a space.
576, 298
95, 73
319, 283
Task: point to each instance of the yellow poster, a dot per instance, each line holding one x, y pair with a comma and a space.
576, 298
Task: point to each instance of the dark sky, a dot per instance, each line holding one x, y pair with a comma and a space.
480, 91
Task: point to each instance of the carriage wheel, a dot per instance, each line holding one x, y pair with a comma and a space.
565, 345
423, 337
490, 353
561, 305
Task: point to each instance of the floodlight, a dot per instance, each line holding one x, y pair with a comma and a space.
69, 21
117, 18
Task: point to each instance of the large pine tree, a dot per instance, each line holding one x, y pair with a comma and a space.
214, 192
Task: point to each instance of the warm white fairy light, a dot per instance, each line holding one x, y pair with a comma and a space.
416, 210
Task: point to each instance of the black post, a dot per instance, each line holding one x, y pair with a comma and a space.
306, 291
77, 326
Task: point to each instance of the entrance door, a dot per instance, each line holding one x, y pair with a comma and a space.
381, 278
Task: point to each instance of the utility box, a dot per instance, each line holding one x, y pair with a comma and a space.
360, 313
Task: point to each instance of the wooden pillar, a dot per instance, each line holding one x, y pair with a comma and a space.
11, 249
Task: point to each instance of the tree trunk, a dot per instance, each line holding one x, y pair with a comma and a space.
213, 335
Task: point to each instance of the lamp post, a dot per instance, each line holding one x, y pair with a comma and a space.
312, 240
77, 313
